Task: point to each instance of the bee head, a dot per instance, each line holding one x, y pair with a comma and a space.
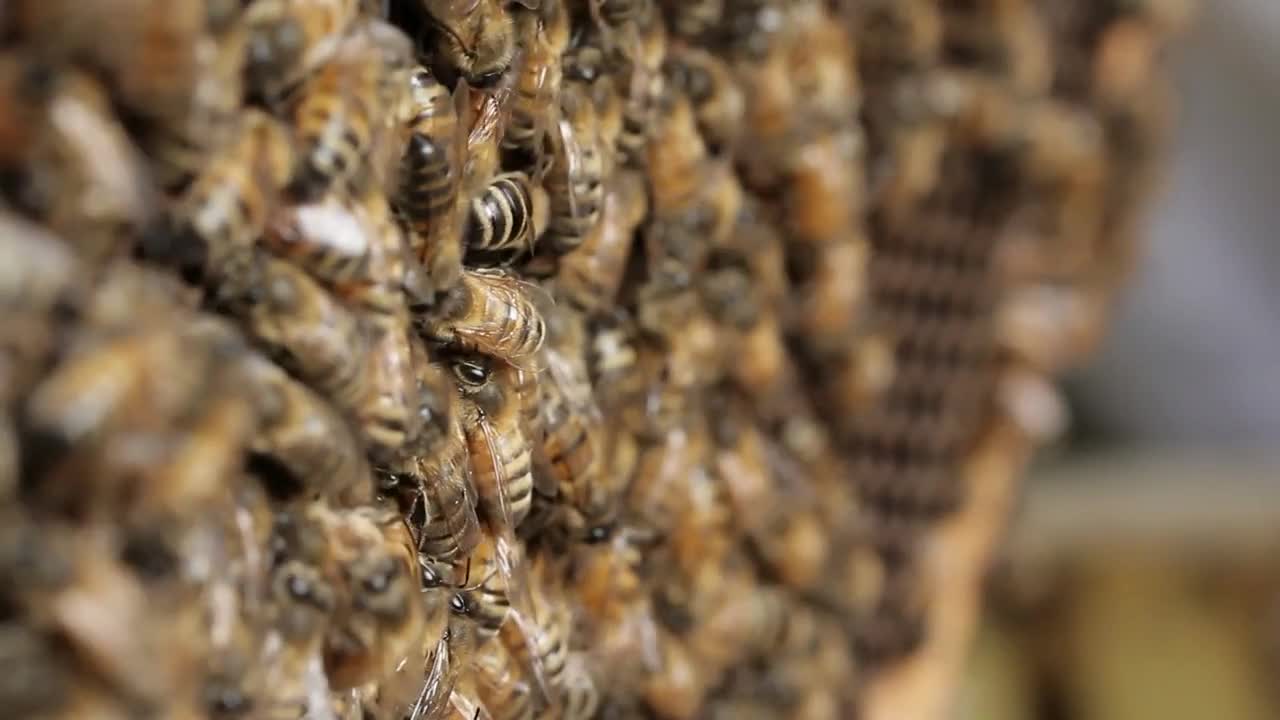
273, 47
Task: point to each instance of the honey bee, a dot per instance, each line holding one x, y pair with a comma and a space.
483, 598
643, 82
677, 158
537, 87
336, 112
75, 597
326, 345
352, 249
388, 416
491, 312
502, 686
591, 274
477, 37
301, 599
434, 473
823, 67
694, 19
122, 370
507, 218
574, 443
836, 297
163, 61
676, 691
67, 160
718, 101
500, 454
826, 188
594, 64
379, 615
227, 207
795, 549
430, 173
541, 644
575, 181
288, 39
613, 362
178, 146
302, 440
741, 463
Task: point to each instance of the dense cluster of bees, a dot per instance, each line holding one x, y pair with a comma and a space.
544, 358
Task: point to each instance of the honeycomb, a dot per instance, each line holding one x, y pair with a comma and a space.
546, 358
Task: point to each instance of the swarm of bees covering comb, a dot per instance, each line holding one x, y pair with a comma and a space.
546, 358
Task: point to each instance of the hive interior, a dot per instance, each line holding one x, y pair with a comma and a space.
553, 358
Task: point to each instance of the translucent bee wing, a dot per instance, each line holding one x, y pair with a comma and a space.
528, 631
561, 370
457, 508
438, 685
571, 154
791, 480
451, 8
464, 111
507, 548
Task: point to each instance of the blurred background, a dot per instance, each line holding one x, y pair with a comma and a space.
1142, 576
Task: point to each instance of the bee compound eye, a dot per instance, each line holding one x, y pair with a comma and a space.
471, 372
488, 79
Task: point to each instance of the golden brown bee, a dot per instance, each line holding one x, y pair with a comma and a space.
718, 102
501, 459
574, 445
823, 67
826, 190
432, 481
430, 173
122, 371
227, 207
594, 65
836, 298
304, 447
389, 417
503, 687
541, 644
165, 62
590, 275
677, 690
302, 596
742, 464
693, 19
379, 615
67, 160
477, 38
613, 361
575, 180
179, 146
483, 597
352, 245
643, 82
537, 87
491, 312
507, 218
67, 584
316, 336
336, 113
288, 39
677, 159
